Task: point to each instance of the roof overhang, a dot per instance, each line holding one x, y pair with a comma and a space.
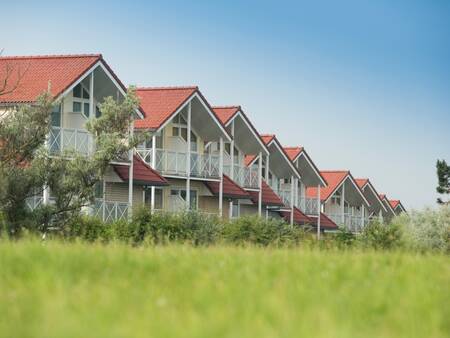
280, 164
352, 183
242, 128
369, 187
310, 174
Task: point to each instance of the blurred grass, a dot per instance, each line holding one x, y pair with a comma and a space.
79, 290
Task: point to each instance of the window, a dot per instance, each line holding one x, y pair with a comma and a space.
158, 198
98, 113
98, 190
182, 194
236, 209
81, 100
336, 199
159, 142
180, 129
228, 148
56, 116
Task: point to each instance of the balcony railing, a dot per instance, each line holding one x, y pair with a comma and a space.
170, 162
309, 206
34, 202
78, 140
246, 177
353, 223
110, 211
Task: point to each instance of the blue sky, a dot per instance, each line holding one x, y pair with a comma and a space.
363, 85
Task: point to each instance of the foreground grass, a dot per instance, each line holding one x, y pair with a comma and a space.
76, 290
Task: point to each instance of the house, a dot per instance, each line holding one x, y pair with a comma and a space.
187, 147
282, 176
390, 212
245, 141
377, 207
397, 206
79, 83
342, 200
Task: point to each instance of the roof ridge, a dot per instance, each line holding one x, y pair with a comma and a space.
49, 56
167, 88
293, 147
225, 107
335, 171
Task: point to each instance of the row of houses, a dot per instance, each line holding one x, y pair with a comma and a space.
198, 156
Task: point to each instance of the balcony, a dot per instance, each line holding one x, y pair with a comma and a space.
310, 206
110, 211
173, 163
70, 139
246, 177
353, 223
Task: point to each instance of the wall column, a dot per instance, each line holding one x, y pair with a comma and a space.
292, 199
130, 176
230, 211
221, 177
188, 158
343, 204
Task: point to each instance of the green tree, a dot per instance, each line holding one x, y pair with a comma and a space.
443, 174
27, 167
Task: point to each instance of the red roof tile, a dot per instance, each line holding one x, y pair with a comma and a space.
333, 179
32, 74
325, 222
299, 217
269, 197
225, 113
249, 159
230, 188
293, 152
267, 138
142, 173
160, 103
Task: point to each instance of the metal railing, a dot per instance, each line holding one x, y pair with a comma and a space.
246, 177
34, 202
70, 139
309, 206
170, 162
353, 223
110, 211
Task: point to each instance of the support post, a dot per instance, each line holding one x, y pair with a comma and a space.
343, 204
292, 199
362, 216
260, 184
152, 196
296, 192
221, 177
104, 200
91, 96
230, 211
188, 159
130, 175
267, 169
318, 212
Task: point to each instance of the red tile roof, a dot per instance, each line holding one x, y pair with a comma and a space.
269, 197
325, 222
361, 182
249, 159
293, 152
230, 188
299, 217
142, 173
225, 113
267, 138
160, 103
333, 179
35, 74
394, 203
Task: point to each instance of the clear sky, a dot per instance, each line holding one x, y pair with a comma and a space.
363, 85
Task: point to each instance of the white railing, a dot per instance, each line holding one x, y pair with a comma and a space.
353, 223
309, 206
246, 177
110, 211
285, 196
170, 162
34, 201
62, 139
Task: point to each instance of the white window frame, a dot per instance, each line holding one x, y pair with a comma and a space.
81, 101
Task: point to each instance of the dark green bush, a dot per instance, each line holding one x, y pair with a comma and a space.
381, 236
344, 238
259, 231
87, 228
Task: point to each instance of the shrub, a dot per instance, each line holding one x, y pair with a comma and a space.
377, 235
427, 230
259, 231
87, 228
343, 238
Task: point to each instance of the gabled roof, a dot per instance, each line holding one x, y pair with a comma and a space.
230, 188
325, 222
160, 103
384, 198
396, 203
293, 152
32, 75
226, 113
363, 182
249, 159
142, 173
334, 179
269, 197
299, 217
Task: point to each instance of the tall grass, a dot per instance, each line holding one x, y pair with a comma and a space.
51, 289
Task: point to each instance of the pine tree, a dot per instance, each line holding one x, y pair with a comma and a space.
443, 174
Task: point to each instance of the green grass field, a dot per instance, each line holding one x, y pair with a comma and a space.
79, 290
